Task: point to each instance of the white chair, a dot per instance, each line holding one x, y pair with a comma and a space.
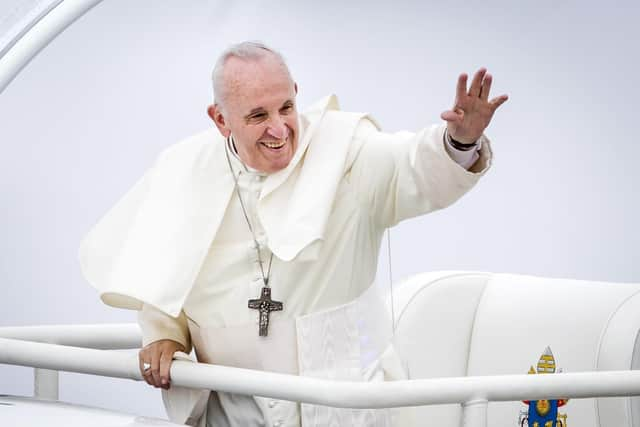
466, 324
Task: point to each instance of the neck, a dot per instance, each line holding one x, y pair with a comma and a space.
234, 151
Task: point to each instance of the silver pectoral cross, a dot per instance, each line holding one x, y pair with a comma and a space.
265, 305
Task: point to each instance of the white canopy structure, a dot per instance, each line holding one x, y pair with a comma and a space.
27, 27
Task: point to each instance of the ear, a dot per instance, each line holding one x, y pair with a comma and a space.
214, 111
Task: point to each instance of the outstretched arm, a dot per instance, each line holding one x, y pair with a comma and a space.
401, 175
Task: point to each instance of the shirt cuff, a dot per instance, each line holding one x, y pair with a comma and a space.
157, 325
466, 159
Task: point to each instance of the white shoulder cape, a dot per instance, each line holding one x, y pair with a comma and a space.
150, 246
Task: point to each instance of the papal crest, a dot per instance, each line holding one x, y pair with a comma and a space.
543, 413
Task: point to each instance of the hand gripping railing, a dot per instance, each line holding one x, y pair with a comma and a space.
472, 392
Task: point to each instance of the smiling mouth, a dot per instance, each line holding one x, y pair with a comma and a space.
274, 145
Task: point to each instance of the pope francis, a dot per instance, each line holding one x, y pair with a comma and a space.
256, 243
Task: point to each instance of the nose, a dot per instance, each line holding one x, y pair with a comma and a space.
278, 129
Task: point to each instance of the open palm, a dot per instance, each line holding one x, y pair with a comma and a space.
472, 110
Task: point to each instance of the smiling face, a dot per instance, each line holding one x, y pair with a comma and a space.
259, 111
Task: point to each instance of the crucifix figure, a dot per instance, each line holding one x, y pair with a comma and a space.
265, 305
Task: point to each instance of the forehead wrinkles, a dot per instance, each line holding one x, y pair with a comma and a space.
251, 80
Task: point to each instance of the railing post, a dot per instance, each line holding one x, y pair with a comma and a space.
474, 413
45, 384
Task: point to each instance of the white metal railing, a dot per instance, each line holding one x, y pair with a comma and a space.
112, 336
472, 392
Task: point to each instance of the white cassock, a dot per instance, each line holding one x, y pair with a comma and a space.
177, 248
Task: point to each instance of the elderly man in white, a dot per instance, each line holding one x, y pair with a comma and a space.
256, 244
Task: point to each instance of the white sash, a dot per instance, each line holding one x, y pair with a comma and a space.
345, 343
342, 343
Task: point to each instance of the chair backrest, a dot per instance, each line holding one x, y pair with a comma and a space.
465, 323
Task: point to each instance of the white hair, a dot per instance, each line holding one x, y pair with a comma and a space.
252, 50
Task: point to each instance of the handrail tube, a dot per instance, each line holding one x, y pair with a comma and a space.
111, 336
342, 394
39, 36
107, 363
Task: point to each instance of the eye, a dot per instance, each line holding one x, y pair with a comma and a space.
258, 116
287, 108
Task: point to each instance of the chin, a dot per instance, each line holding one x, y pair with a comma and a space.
279, 162
279, 165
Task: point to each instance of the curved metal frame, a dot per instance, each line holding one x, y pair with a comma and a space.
37, 35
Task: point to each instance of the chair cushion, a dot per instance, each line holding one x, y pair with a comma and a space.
456, 324
433, 331
519, 316
619, 350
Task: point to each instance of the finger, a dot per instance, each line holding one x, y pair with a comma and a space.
486, 87
476, 83
461, 87
155, 369
141, 362
146, 374
452, 116
165, 365
148, 377
498, 101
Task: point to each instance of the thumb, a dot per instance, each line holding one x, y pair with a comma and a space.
452, 116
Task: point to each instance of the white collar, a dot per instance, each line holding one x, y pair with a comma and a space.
237, 162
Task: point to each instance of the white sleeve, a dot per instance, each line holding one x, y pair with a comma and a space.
467, 158
401, 175
157, 325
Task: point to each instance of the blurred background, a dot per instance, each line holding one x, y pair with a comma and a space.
89, 114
